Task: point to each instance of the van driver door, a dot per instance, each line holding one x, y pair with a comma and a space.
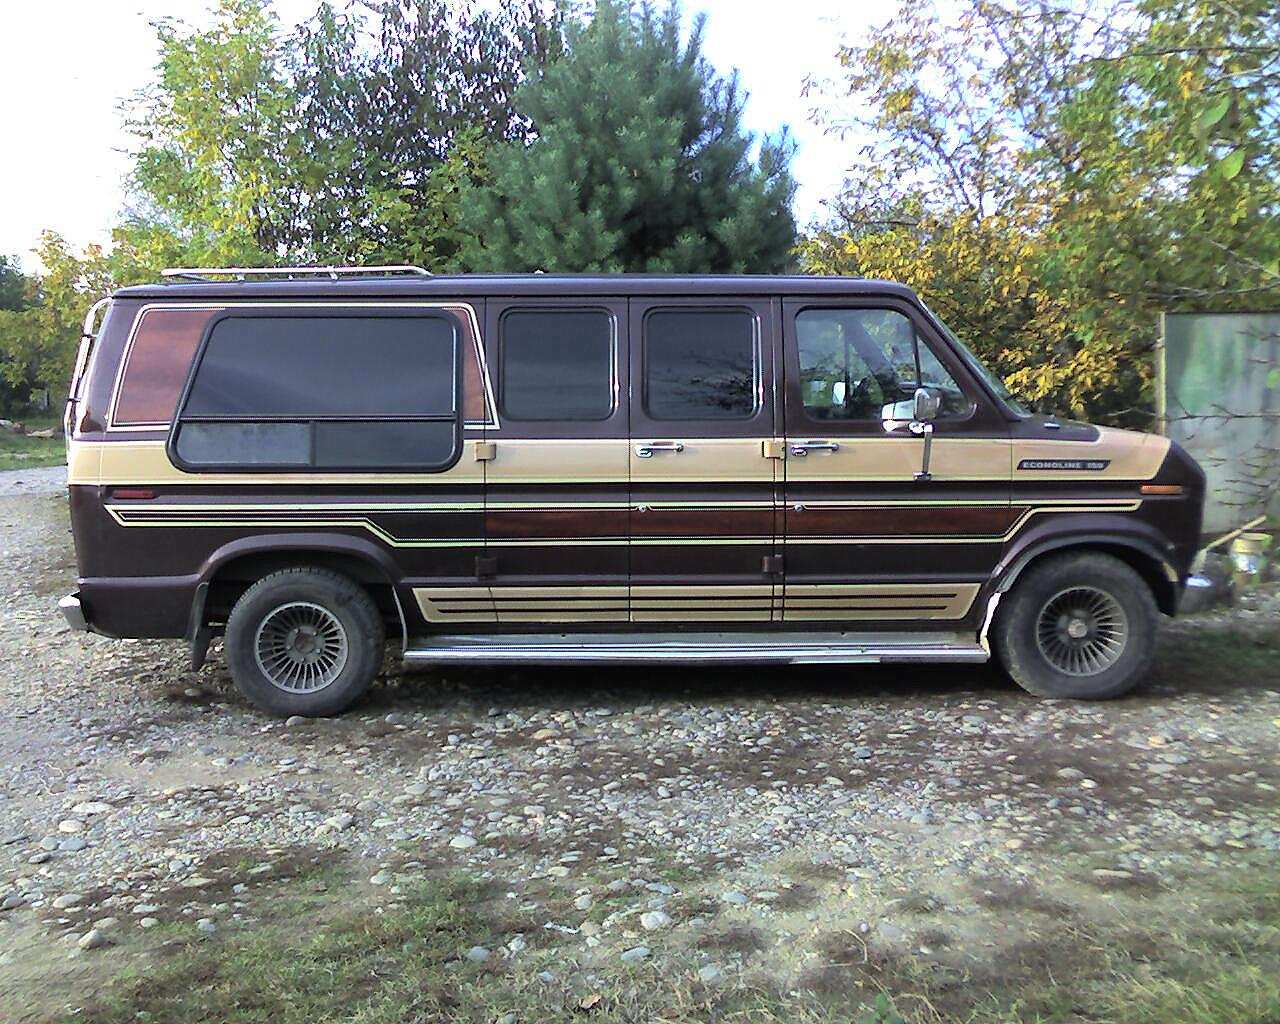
871, 534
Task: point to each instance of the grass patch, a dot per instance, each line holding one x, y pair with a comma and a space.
1236, 994
1219, 655
404, 964
318, 960
19, 451
409, 963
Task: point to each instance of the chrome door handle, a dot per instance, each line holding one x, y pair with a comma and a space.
805, 447
645, 451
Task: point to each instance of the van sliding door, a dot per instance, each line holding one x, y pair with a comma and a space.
556, 504
703, 461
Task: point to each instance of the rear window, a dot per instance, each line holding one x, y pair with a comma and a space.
326, 392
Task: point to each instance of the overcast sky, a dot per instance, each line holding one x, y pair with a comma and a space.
65, 65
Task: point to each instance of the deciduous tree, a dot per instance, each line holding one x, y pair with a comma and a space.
346, 140
1085, 166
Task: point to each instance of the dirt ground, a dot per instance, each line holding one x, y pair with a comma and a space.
936, 835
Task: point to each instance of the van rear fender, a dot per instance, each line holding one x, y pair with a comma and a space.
235, 566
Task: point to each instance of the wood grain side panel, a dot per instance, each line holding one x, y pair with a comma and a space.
511, 524
898, 521
703, 522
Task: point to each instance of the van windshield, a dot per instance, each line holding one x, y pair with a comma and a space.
990, 379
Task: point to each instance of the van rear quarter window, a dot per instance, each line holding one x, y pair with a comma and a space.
326, 366
326, 391
159, 359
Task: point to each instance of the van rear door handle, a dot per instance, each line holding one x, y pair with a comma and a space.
645, 451
802, 448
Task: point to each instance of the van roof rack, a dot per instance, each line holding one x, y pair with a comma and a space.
242, 273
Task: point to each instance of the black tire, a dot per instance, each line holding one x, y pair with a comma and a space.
351, 642
1040, 653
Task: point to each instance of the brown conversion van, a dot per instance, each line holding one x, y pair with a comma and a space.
564, 469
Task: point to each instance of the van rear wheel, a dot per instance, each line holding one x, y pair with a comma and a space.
304, 642
1080, 626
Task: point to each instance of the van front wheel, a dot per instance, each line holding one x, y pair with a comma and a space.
1079, 626
304, 642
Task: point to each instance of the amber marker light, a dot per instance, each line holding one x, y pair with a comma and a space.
1167, 490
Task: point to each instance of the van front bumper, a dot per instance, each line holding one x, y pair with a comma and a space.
73, 612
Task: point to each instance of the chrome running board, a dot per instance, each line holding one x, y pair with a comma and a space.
701, 648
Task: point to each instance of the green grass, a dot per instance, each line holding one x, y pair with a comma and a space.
405, 964
17, 451
312, 964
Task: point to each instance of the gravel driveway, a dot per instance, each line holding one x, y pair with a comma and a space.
134, 793
42, 480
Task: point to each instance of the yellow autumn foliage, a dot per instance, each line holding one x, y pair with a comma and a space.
980, 277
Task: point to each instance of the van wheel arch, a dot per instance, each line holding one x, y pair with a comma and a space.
227, 581
1141, 558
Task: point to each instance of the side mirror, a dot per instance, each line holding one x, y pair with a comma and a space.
927, 405
925, 409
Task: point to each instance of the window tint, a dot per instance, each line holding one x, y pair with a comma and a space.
557, 364
156, 367
387, 444
865, 364
700, 364
245, 444
323, 392
325, 366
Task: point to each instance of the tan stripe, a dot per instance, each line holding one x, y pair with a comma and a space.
562, 615
432, 612
751, 590
147, 462
585, 591
554, 608
861, 460
702, 615
817, 590
851, 601
703, 461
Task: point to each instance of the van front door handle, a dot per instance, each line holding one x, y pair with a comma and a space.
805, 447
645, 451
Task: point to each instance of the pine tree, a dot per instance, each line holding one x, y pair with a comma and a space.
640, 162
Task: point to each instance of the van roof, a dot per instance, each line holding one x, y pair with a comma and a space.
480, 285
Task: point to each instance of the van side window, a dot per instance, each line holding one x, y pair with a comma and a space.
865, 364
701, 364
325, 392
557, 364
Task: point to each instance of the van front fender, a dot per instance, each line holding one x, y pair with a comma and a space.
1134, 542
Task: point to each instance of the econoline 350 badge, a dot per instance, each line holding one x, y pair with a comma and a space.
1057, 464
